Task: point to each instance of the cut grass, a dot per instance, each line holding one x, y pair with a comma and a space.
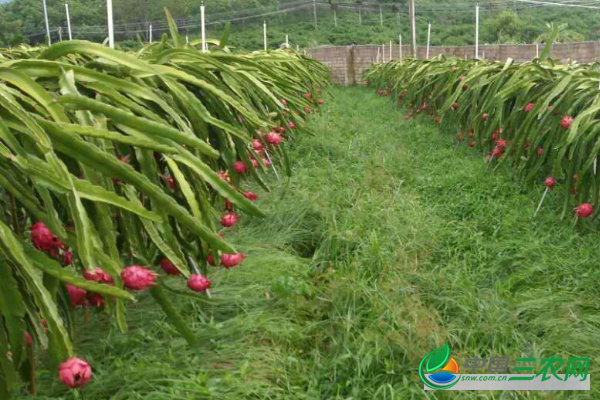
384, 245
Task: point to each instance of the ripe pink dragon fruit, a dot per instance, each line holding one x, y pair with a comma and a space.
231, 260
540, 151
211, 260
308, 95
497, 152
266, 162
67, 258
566, 122
528, 107
240, 167
136, 277
170, 181
471, 144
198, 283
76, 295
224, 176
98, 275
95, 300
584, 210
43, 239
279, 129
292, 125
255, 163
28, 339
550, 182
284, 102
454, 105
485, 117
251, 196
168, 267
75, 373
501, 144
273, 138
257, 145
228, 220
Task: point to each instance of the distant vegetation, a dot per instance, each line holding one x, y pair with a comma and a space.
22, 21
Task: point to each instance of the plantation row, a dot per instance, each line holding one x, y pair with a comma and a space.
118, 170
542, 119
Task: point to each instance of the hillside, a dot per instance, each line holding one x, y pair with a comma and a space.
452, 21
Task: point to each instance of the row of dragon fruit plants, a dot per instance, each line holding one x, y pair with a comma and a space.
120, 171
541, 118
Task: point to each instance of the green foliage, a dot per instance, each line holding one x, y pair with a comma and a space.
487, 100
454, 26
90, 139
383, 246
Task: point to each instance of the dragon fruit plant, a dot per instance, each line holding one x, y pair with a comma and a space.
524, 115
103, 200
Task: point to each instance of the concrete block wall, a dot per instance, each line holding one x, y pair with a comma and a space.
347, 63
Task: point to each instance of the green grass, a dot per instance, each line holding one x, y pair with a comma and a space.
385, 244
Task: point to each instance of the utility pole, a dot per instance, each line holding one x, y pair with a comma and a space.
111, 27
150, 33
477, 31
47, 23
68, 21
413, 27
315, 12
335, 17
202, 27
265, 34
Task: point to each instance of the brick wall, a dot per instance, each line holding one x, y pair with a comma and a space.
348, 62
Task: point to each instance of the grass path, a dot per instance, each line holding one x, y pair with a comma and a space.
384, 245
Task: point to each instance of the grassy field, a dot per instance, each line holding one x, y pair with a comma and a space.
385, 244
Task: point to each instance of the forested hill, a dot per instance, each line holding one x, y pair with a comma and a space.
452, 21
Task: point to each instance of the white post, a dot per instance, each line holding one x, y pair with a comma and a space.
202, 27
428, 39
187, 39
111, 29
47, 23
378, 52
380, 16
413, 28
315, 12
383, 52
359, 15
537, 50
335, 17
400, 47
391, 57
150, 33
297, 47
265, 34
287, 41
477, 31
59, 30
68, 21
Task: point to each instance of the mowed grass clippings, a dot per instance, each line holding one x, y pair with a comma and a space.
385, 244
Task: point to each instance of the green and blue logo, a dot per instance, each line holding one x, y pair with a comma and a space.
447, 369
